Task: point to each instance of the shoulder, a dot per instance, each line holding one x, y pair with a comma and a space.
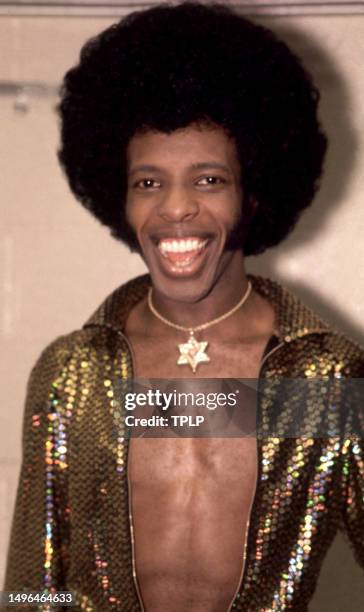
346, 355
53, 360
326, 352
99, 329
101, 335
75, 346
312, 346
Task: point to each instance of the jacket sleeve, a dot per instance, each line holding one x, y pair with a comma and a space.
353, 502
353, 469
38, 543
353, 454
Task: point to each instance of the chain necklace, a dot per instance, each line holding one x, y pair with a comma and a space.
192, 352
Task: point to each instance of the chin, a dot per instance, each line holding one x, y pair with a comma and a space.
187, 290
186, 269
182, 268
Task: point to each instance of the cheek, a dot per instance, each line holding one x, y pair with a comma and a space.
130, 213
134, 212
138, 215
229, 210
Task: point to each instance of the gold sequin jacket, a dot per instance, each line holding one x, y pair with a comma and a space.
72, 527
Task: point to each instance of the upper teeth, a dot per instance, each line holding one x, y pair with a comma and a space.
181, 246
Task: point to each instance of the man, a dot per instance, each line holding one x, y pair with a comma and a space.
192, 133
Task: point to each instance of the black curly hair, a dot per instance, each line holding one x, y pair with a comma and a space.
169, 66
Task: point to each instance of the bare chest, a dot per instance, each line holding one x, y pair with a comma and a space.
191, 500
233, 359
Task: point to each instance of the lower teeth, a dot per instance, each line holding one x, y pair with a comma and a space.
182, 264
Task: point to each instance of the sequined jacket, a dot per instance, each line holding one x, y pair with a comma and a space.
72, 527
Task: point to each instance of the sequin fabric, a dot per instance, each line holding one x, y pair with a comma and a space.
72, 528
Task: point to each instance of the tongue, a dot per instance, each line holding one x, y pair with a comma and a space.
175, 257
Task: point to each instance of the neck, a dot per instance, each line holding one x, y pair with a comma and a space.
223, 296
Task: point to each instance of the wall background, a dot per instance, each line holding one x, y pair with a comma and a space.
58, 264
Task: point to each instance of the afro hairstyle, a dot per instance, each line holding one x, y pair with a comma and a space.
167, 67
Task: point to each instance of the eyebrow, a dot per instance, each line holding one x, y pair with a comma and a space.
198, 166
208, 165
144, 168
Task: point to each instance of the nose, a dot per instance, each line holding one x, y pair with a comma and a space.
178, 205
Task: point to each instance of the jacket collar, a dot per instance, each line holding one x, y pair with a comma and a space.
293, 318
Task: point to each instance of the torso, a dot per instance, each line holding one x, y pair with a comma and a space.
191, 497
191, 500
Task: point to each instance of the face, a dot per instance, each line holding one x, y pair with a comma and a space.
184, 203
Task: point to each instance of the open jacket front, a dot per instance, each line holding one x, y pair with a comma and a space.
72, 527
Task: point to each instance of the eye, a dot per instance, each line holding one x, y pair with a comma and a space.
147, 184
207, 181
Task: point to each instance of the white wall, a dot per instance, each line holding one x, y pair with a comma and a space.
58, 263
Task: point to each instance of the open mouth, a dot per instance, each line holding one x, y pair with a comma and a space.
182, 252
182, 256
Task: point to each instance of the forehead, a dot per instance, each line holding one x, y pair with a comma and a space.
183, 148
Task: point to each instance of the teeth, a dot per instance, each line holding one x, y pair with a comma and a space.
183, 264
181, 246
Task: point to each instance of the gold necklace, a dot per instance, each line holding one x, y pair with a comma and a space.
192, 352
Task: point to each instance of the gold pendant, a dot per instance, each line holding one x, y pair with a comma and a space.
192, 353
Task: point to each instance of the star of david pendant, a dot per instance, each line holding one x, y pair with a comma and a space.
192, 353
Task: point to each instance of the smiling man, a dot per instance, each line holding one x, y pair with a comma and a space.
193, 134
184, 202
